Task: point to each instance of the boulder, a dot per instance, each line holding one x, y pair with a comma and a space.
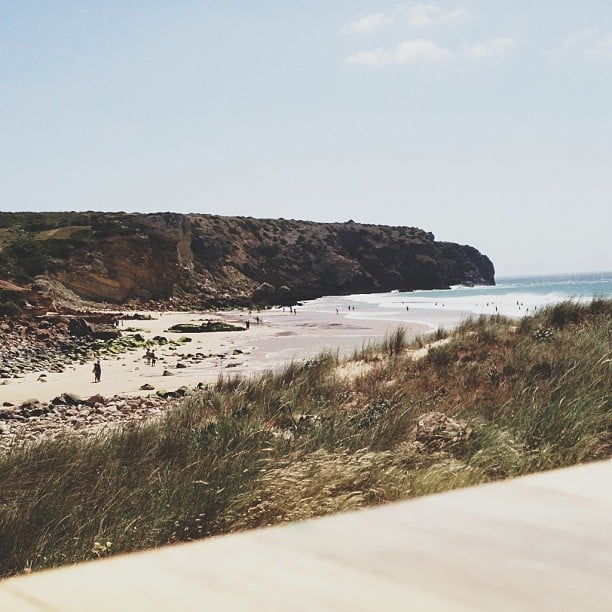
32, 408
284, 296
30, 403
35, 411
79, 328
94, 399
264, 293
67, 399
105, 332
180, 392
147, 387
436, 430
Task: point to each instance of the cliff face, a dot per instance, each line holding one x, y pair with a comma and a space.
148, 262
210, 260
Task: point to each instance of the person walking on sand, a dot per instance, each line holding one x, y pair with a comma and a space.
153, 357
97, 371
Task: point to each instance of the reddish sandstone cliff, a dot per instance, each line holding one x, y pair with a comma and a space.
212, 260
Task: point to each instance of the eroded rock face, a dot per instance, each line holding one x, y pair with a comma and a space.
145, 263
207, 260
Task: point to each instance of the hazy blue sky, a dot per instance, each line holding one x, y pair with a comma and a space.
485, 122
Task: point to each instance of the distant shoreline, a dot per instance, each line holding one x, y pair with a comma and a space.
336, 323
512, 297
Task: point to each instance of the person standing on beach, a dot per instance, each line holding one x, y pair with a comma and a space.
97, 371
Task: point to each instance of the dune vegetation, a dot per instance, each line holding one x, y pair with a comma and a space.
496, 399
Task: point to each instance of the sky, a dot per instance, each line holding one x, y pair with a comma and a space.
486, 123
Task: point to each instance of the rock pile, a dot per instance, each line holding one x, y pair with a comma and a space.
29, 345
33, 421
38, 345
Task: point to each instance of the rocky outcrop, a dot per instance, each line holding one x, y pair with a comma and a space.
207, 260
35, 344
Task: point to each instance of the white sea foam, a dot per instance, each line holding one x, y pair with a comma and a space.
515, 297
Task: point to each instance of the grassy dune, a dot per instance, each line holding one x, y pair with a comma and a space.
497, 399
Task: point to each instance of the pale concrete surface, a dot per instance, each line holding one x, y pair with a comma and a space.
538, 543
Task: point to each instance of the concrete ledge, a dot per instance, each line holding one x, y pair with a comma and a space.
542, 542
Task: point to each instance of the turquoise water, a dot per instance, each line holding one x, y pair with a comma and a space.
513, 296
565, 286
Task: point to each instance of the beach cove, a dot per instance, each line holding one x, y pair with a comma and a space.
335, 323
279, 337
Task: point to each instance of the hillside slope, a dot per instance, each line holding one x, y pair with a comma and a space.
207, 260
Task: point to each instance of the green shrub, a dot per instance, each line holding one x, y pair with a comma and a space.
9, 309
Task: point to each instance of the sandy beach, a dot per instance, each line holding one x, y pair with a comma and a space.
279, 338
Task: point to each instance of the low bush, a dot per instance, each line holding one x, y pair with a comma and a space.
9, 309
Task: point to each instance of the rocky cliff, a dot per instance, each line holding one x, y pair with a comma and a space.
207, 260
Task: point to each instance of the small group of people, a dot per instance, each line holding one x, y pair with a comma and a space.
150, 357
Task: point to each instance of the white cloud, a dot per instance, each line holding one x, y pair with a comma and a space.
601, 48
418, 16
368, 23
457, 15
579, 36
407, 51
489, 48
588, 42
427, 15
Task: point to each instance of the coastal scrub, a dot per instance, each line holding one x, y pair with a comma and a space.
496, 399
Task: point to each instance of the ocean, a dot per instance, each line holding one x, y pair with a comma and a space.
514, 297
